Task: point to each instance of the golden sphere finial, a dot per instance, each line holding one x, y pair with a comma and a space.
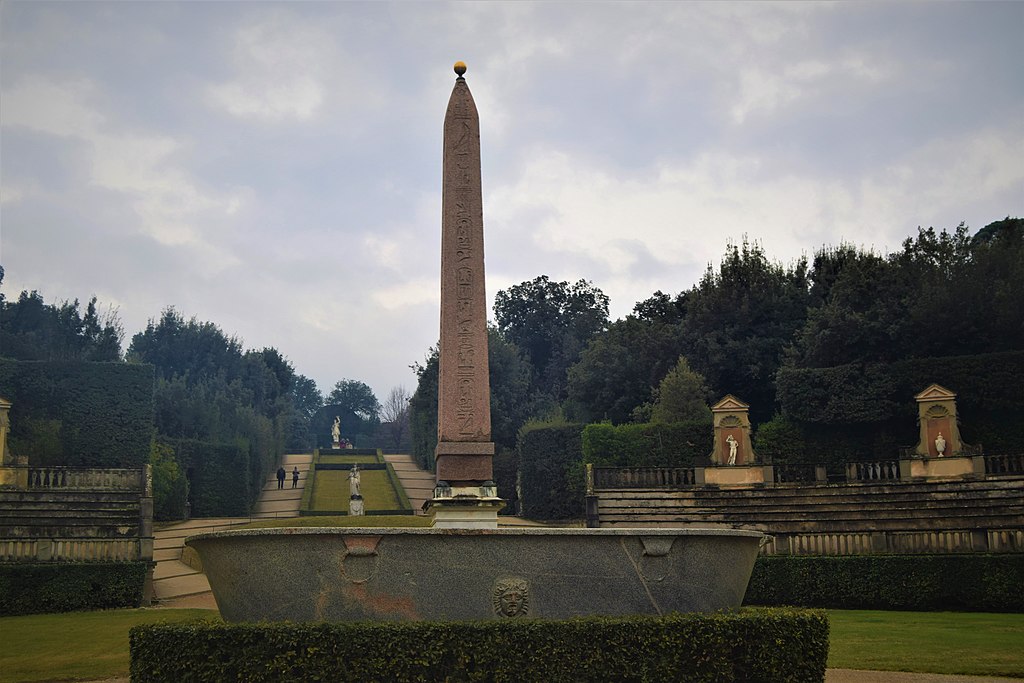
460, 68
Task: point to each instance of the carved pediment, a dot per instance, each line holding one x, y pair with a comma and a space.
728, 404
935, 392
936, 412
4, 403
730, 421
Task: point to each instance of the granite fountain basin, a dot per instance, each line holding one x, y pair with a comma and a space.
342, 574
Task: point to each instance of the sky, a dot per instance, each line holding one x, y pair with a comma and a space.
275, 168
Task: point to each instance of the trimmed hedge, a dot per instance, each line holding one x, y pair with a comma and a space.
678, 444
551, 471
219, 476
68, 587
966, 583
990, 396
752, 645
80, 414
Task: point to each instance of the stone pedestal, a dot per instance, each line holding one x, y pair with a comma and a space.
955, 467
738, 475
355, 506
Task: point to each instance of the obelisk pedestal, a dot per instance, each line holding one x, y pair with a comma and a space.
465, 495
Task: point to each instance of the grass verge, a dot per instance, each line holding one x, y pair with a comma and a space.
77, 645
966, 643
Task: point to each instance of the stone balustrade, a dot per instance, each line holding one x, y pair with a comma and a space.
1004, 464
71, 550
877, 470
86, 478
642, 477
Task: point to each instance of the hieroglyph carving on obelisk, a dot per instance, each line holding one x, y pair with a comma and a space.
464, 449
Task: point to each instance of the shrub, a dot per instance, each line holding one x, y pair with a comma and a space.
752, 645
990, 397
170, 487
220, 477
551, 471
970, 583
67, 587
678, 444
79, 413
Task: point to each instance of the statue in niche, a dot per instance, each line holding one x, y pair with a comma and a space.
336, 431
733, 445
353, 482
940, 445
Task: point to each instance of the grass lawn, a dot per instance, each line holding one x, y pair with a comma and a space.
978, 644
77, 645
332, 493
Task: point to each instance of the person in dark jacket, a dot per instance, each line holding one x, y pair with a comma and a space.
280, 477
295, 478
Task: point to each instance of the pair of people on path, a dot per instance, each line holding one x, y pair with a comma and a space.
281, 475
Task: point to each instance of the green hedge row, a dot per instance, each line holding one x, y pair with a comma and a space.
680, 444
967, 583
551, 471
990, 396
220, 476
80, 414
752, 645
44, 588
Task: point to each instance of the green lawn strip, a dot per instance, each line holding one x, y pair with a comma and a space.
332, 491
342, 521
966, 643
76, 645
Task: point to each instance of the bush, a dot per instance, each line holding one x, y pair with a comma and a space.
220, 477
551, 471
990, 396
753, 645
968, 583
78, 413
170, 487
68, 587
678, 444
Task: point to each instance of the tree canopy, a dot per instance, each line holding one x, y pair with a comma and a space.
550, 323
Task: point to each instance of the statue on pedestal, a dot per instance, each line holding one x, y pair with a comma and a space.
336, 432
353, 482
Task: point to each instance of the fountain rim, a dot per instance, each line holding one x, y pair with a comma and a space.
500, 532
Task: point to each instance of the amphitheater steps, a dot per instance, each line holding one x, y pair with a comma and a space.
418, 483
976, 504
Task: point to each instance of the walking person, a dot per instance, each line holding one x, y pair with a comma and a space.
295, 478
280, 477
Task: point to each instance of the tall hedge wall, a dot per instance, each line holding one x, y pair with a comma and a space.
551, 471
68, 587
78, 413
752, 645
680, 444
966, 583
990, 395
220, 476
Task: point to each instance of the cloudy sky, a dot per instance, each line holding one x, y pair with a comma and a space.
275, 168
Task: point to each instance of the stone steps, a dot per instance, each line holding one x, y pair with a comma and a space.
833, 508
418, 483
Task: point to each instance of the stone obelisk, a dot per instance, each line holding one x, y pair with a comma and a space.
465, 495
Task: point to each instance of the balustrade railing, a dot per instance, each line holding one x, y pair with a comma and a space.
878, 470
643, 477
85, 478
1004, 464
795, 472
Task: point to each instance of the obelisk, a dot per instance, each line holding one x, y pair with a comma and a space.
465, 495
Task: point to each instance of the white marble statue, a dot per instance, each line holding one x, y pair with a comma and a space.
336, 430
940, 445
733, 445
353, 482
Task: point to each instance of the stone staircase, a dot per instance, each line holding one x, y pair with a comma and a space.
175, 580
418, 484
